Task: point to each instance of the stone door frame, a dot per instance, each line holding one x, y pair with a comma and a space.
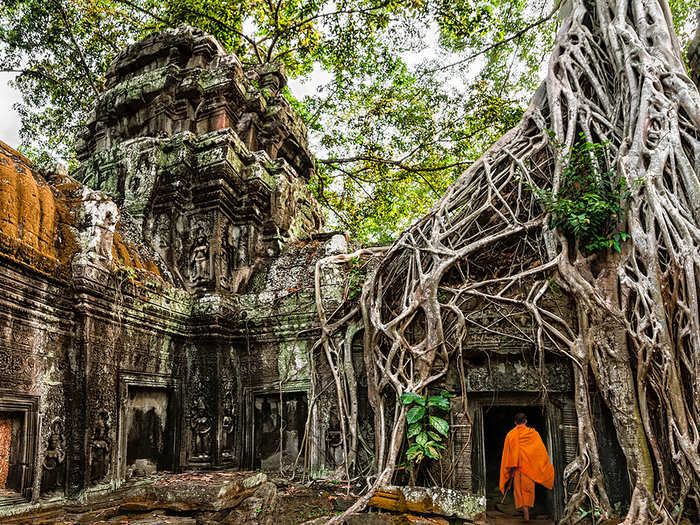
129, 379
28, 407
248, 416
552, 440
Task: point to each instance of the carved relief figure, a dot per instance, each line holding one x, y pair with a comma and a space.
201, 429
227, 423
100, 448
53, 473
199, 257
240, 252
226, 264
162, 233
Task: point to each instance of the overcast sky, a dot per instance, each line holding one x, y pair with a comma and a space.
9, 120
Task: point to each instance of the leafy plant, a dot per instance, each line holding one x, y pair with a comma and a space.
355, 278
589, 202
426, 430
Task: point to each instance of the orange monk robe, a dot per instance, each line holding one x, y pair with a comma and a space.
524, 450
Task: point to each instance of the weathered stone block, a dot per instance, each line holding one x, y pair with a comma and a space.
430, 500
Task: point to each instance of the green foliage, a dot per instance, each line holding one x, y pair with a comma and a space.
590, 199
125, 271
426, 430
394, 123
413, 90
355, 278
595, 513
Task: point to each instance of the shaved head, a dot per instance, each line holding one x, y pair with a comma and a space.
520, 418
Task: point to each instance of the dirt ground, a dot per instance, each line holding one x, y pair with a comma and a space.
494, 517
223, 497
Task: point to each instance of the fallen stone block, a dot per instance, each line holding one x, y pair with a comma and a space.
430, 500
190, 496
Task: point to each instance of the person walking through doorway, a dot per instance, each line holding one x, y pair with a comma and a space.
525, 461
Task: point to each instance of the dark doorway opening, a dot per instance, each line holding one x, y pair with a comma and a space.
151, 431
12, 465
498, 421
278, 417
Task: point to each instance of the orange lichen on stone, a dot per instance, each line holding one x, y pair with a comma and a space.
34, 222
151, 267
120, 252
27, 209
48, 221
9, 206
29, 215
126, 254
37, 220
5, 441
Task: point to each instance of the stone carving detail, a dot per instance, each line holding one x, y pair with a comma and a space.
101, 215
161, 234
234, 250
101, 448
53, 476
229, 149
227, 425
201, 431
199, 256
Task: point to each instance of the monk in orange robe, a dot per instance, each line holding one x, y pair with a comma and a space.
526, 461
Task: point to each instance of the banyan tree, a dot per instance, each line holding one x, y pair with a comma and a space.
595, 195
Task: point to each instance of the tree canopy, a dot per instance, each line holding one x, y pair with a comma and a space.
413, 90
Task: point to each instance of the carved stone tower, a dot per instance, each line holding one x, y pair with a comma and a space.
207, 159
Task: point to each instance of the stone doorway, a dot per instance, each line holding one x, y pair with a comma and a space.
497, 422
18, 425
11, 468
149, 442
276, 417
148, 429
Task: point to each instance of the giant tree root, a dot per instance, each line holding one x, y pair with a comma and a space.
616, 76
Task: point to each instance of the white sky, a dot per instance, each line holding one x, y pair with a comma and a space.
9, 119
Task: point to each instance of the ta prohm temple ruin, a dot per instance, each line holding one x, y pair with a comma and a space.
160, 315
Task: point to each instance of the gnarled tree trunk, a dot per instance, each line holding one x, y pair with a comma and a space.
615, 75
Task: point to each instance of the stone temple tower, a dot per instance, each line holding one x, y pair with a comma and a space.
205, 158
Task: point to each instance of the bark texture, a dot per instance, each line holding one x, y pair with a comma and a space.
616, 75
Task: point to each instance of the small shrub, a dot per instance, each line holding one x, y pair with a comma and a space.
426, 430
589, 202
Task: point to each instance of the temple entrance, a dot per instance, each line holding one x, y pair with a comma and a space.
150, 431
497, 422
12, 469
278, 417
18, 443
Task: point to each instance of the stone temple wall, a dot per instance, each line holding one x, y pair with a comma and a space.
163, 291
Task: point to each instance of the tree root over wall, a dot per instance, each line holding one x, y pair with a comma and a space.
616, 75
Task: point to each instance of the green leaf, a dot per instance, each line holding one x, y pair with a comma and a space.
414, 429
411, 397
440, 425
433, 435
422, 439
415, 414
415, 453
439, 402
445, 393
432, 453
